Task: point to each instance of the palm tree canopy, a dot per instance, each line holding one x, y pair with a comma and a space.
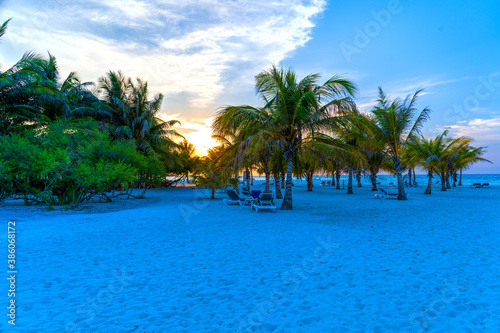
292, 108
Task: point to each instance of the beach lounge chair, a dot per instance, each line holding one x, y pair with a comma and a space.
323, 183
385, 195
476, 185
328, 183
234, 198
245, 191
486, 185
265, 202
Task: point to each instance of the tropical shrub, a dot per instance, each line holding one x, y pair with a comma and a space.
68, 163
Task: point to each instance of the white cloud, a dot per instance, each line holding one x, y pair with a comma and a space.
196, 52
482, 130
197, 48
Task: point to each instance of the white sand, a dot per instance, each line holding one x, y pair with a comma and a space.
337, 263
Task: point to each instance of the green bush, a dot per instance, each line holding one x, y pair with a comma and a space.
67, 163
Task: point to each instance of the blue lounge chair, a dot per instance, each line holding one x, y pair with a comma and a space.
234, 198
385, 195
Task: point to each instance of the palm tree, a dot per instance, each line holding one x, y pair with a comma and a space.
3, 27
133, 115
308, 162
24, 88
212, 173
371, 151
395, 123
294, 110
186, 159
466, 157
430, 153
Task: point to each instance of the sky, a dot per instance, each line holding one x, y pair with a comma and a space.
205, 54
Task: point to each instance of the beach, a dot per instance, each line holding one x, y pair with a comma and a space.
180, 262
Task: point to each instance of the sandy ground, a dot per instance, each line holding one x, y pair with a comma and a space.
180, 262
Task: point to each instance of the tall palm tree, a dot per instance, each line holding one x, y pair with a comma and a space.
294, 110
395, 123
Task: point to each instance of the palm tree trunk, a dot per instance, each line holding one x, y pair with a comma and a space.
213, 193
442, 175
454, 175
333, 179
187, 177
287, 200
358, 178
251, 178
337, 175
268, 174
448, 180
247, 175
277, 186
309, 178
428, 190
460, 179
414, 177
283, 180
373, 178
349, 182
401, 187
409, 176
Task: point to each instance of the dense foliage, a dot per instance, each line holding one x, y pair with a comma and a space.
63, 141
67, 163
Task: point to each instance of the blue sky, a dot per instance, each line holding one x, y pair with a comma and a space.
204, 54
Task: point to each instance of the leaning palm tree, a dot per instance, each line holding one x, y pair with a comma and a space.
395, 123
294, 110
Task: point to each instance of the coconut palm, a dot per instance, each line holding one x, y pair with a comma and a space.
3, 28
449, 151
133, 115
370, 150
23, 89
466, 157
429, 153
294, 110
308, 162
395, 123
213, 174
186, 159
